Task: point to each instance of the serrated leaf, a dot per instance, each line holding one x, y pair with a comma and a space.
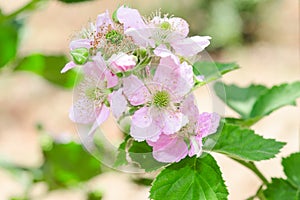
275, 98
239, 99
242, 143
67, 165
212, 70
49, 67
141, 153
291, 167
192, 179
280, 189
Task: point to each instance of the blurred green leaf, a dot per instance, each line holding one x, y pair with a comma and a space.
143, 181
8, 42
291, 166
19, 198
212, 70
74, 1
243, 144
280, 189
256, 101
48, 67
277, 97
192, 179
141, 153
94, 195
67, 165
240, 99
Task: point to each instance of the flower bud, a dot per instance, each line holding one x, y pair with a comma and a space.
80, 55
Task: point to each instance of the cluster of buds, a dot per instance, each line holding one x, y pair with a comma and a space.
139, 68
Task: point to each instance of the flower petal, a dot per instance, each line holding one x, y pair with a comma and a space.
135, 90
112, 79
208, 123
80, 43
150, 132
118, 103
68, 66
130, 18
141, 37
179, 25
122, 62
172, 121
169, 149
195, 146
142, 117
189, 108
103, 21
190, 46
101, 117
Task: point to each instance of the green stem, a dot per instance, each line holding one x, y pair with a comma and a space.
250, 165
27, 7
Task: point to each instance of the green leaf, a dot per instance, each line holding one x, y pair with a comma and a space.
141, 153
80, 55
192, 179
244, 144
8, 42
67, 165
212, 70
143, 181
275, 98
94, 195
74, 1
48, 67
280, 189
291, 166
239, 99
121, 157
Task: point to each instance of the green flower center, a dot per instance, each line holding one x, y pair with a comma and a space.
91, 93
114, 37
161, 99
165, 26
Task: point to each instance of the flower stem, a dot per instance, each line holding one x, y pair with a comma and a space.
250, 165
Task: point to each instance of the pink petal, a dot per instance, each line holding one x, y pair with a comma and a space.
122, 62
102, 117
135, 90
103, 21
180, 25
130, 18
68, 66
172, 121
208, 123
112, 79
118, 103
150, 132
190, 46
169, 148
80, 43
141, 37
178, 79
142, 117
163, 51
195, 146
190, 109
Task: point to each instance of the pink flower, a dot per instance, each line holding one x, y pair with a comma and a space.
158, 112
89, 106
122, 62
171, 31
188, 140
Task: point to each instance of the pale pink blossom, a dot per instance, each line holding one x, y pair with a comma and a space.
188, 140
92, 92
158, 99
171, 31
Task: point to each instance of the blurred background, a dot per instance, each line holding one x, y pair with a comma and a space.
38, 156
